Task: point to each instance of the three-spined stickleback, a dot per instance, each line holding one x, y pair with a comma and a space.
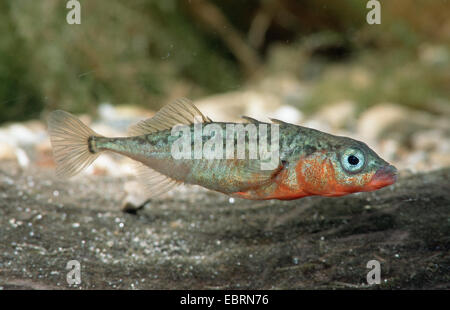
307, 162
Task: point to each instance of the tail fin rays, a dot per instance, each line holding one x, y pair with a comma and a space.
70, 143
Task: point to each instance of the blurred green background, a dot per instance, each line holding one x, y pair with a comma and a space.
146, 52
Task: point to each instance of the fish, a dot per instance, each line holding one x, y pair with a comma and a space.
309, 162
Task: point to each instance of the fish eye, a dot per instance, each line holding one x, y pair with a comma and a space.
352, 160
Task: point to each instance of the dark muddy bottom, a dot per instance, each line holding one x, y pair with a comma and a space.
197, 239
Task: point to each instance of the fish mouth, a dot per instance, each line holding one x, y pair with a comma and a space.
383, 177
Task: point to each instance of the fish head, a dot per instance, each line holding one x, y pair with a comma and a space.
346, 167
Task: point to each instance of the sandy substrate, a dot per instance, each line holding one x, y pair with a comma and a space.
198, 239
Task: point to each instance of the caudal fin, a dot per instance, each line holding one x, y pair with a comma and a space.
70, 140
